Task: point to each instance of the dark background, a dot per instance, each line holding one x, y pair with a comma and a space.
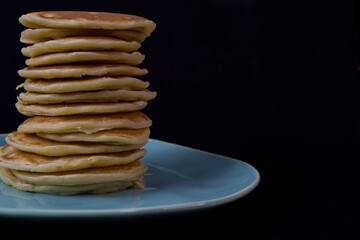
273, 83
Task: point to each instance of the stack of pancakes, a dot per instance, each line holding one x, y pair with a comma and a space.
85, 131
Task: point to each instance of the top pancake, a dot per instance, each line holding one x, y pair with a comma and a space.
92, 20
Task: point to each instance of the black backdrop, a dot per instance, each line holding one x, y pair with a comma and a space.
273, 83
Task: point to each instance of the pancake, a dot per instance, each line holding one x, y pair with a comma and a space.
84, 133
120, 136
12, 158
84, 43
134, 58
85, 97
34, 144
99, 188
68, 71
128, 172
85, 124
83, 84
64, 109
89, 20
31, 36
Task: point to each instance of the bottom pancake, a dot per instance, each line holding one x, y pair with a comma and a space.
99, 188
128, 172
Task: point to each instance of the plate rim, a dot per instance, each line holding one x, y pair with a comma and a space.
29, 212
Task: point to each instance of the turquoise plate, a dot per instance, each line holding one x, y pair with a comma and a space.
179, 178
